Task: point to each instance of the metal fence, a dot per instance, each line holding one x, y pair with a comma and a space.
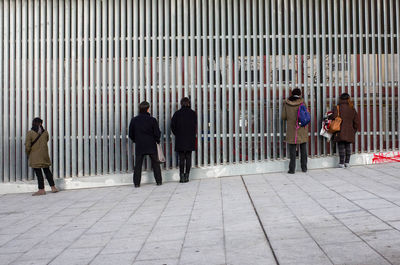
84, 66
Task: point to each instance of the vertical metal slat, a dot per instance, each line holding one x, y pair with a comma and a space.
61, 92
129, 77
67, 84
74, 154
111, 87
205, 87
123, 123
117, 86
18, 150
92, 87
11, 118
98, 86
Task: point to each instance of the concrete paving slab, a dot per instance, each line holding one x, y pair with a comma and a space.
9, 258
386, 243
157, 262
92, 240
113, 259
332, 235
358, 195
160, 250
299, 251
124, 245
374, 203
387, 214
173, 233
31, 262
204, 238
326, 216
76, 256
203, 255
365, 224
354, 253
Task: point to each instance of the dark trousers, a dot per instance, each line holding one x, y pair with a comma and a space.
185, 162
344, 152
39, 175
292, 156
137, 175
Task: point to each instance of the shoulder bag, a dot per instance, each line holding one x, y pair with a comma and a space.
336, 123
160, 154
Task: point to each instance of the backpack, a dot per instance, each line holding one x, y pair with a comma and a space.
303, 116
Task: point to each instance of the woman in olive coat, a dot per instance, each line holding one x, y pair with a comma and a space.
289, 113
38, 152
348, 128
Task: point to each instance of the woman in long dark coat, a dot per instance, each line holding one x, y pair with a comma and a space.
183, 126
145, 133
350, 125
37, 150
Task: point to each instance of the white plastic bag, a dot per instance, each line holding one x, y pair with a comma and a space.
160, 154
325, 133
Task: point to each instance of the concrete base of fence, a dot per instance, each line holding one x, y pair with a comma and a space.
196, 173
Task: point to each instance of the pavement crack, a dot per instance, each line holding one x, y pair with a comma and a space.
259, 220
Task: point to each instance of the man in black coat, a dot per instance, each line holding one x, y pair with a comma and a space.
183, 126
145, 133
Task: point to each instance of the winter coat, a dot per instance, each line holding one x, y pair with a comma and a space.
145, 133
183, 126
350, 122
289, 113
39, 152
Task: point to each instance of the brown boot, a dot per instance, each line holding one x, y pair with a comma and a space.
54, 189
39, 192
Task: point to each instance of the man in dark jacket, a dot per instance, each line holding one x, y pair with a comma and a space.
183, 126
145, 133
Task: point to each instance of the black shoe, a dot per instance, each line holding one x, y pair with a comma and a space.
181, 178
290, 172
137, 185
186, 177
304, 170
159, 183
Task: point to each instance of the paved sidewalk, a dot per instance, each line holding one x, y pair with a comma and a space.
330, 216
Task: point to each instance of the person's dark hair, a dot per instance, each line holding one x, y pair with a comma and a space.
185, 102
296, 94
346, 96
144, 107
36, 124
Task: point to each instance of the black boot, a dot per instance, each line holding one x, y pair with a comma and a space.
186, 177
181, 178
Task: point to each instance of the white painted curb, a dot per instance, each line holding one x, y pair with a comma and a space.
270, 166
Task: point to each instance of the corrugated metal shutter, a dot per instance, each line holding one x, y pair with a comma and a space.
84, 66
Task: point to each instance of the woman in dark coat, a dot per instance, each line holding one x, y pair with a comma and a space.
350, 125
295, 136
145, 133
183, 126
37, 150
